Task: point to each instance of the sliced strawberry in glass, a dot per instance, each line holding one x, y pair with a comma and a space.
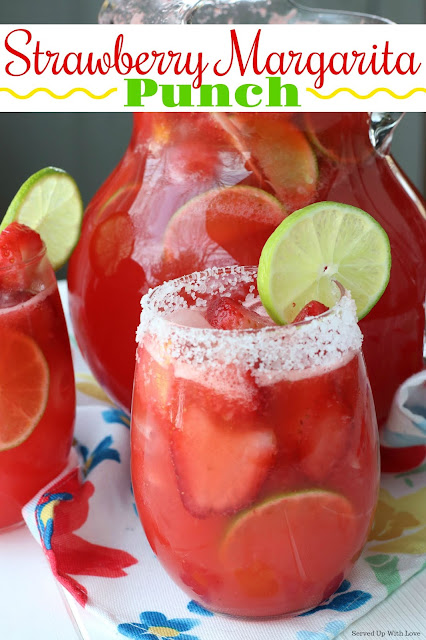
225, 313
220, 466
18, 243
18, 246
232, 395
310, 310
314, 423
325, 438
199, 579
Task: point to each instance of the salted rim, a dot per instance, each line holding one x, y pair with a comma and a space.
322, 341
35, 299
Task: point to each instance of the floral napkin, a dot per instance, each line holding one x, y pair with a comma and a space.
87, 526
406, 426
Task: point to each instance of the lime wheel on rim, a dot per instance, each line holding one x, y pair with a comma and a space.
50, 203
314, 247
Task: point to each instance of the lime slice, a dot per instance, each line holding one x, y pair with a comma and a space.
317, 245
211, 227
277, 153
24, 388
342, 137
50, 203
119, 202
111, 243
296, 538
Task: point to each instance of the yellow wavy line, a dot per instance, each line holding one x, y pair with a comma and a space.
369, 95
56, 96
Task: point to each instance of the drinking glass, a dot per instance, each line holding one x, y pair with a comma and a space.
254, 452
37, 390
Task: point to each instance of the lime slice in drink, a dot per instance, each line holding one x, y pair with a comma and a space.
50, 203
301, 538
24, 387
314, 247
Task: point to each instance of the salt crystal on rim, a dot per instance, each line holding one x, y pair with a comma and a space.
270, 353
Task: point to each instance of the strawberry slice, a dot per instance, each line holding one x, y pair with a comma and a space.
310, 310
315, 431
219, 466
18, 245
324, 438
233, 396
224, 313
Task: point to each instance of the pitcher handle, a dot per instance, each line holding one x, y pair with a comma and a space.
382, 126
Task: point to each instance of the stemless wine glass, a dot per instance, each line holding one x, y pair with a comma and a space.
37, 390
254, 452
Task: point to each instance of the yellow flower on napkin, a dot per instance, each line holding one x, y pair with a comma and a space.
393, 517
87, 384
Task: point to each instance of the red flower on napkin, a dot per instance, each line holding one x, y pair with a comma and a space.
59, 513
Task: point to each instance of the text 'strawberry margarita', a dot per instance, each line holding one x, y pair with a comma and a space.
196, 190
37, 392
254, 446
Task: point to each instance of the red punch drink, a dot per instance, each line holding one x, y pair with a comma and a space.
37, 392
196, 190
254, 446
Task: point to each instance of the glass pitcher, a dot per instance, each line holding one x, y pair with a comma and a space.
201, 189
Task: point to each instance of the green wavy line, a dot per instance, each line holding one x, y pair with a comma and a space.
369, 95
56, 96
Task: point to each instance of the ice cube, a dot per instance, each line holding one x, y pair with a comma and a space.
258, 308
188, 318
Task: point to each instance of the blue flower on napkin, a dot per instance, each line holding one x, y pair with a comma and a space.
116, 416
342, 600
194, 607
331, 630
155, 626
103, 451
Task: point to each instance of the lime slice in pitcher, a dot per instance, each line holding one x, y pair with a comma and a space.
236, 220
50, 203
317, 245
276, 152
